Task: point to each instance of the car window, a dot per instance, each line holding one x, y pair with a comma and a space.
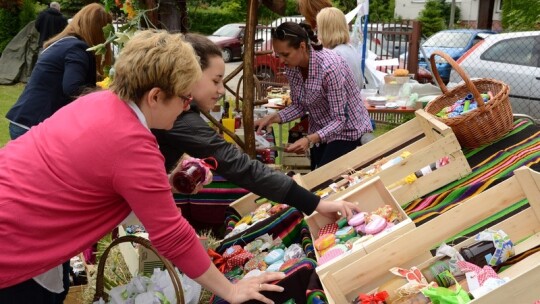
230, 30
520, 51
448, 40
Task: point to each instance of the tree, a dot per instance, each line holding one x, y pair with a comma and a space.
432, 18
381, 10
521, 15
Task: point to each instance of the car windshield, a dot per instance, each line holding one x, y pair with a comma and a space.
448, 40
229, 30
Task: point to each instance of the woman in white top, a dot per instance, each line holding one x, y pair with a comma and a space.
333, 33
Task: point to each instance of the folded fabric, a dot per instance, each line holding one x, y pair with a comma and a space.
481, 273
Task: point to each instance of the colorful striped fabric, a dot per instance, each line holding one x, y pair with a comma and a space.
490, 165
206, 209
288, 225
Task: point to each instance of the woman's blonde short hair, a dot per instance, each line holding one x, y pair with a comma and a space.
155, 59
310, 8
332, 28
88, 24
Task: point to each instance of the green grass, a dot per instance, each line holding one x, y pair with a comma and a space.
8, 96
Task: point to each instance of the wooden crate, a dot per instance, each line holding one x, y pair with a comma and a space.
427, 139
299, 163
424, 136
370, 196
366, 273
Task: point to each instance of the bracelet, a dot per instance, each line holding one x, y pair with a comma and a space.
310, 143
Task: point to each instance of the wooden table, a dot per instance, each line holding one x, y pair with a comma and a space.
390, 116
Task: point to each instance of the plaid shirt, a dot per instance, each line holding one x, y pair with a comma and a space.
330, 95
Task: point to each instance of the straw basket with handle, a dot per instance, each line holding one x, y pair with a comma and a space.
480, 126
100, 293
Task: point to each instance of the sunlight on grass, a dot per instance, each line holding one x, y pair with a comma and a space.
8, 96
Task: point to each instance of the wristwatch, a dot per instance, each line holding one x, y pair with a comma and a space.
309, 141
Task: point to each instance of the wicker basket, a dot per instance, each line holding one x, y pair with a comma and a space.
100, 293
483, 125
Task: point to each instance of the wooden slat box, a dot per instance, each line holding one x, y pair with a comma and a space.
427, 139
369, 196
424, 136
366, 273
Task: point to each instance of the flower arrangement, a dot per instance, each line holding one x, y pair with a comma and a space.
135, 17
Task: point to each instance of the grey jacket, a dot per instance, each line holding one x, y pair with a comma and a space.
191, 134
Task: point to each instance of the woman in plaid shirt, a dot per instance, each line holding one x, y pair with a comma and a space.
323, 85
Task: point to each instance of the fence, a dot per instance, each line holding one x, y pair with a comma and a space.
513, 58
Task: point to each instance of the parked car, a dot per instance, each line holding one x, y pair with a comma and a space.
513, 58
453, 42
280, 20
230, 38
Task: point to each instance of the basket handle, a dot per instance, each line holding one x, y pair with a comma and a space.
100, 293
460, 71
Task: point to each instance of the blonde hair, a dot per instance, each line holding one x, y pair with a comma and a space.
152, 59
310, 8
332, 27
88, 25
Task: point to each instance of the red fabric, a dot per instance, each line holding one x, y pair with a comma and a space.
331, 228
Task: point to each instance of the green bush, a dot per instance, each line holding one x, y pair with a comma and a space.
432, 18
521, 15
9, 27
209, 20
27, 13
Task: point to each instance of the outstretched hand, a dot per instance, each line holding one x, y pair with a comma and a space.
337, 209
250, 288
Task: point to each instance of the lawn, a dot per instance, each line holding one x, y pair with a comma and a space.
8, 96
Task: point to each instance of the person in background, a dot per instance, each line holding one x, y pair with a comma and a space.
49, 23
191, 134
322, 85
333, 32
73, 178
63, 70
310, 8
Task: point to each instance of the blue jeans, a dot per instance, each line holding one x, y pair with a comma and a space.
16, 131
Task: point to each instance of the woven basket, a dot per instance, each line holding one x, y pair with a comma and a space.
483, 125
100, 293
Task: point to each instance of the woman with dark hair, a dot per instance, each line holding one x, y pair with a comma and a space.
192, 135
79, 174
63, 70
323, 85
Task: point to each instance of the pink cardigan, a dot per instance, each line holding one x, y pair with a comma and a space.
73, 178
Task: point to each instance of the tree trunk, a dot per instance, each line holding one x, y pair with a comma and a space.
249, 83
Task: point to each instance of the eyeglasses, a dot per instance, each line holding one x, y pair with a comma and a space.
186, 99
281, 33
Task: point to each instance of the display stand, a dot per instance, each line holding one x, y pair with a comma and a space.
369, 196
427, 139
366, 273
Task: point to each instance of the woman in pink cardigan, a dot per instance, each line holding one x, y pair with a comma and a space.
73, 178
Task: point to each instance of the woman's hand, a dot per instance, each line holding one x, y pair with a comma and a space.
337, 209
300, 146
250, 288
178, 167
264, 122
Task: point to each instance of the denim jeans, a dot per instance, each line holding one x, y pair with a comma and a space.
16, 131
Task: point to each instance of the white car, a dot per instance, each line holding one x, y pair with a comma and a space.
280, 20
513, 58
